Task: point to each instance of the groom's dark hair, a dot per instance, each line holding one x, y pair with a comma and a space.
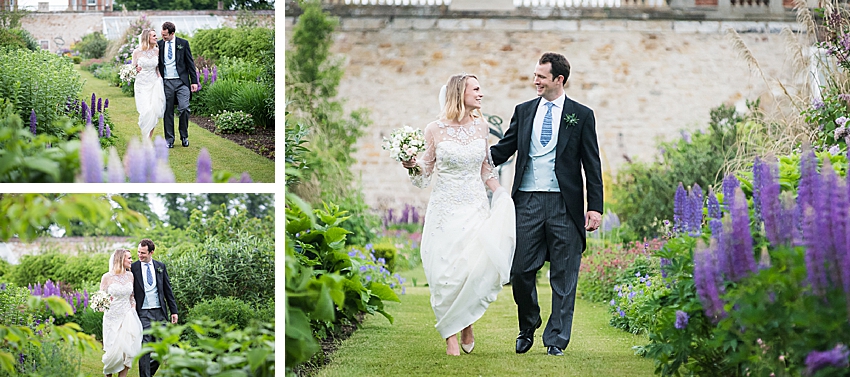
560, 65
168, 25
149, 244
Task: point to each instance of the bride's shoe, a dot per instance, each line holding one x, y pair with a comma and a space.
467, 347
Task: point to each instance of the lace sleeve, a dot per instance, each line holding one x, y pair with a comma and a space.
428, 160
104, 282
135, 61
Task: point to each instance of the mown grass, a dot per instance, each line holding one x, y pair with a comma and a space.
226, 155
412, 347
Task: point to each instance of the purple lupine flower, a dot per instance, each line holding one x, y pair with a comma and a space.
108, 132
664, 264
245, 178
206, 76
695, 218
706, 280
405, 214
681, 320
100, 105
91, 109
680, 209
713, 204
106, 104
91, 158
100, 125
757, 187
32, 122
85, 112
809, 179
817, 104
814, 254
415, 216
772, 213
204, 174
841, 232
764, 259
826, 219
836, 357
161, 148
114, 169
162, 173
730, 183
214, 74
198, 77
686, 136
150, 160
743, 261
134, 162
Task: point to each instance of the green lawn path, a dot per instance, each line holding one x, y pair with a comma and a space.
226, 155
412, 347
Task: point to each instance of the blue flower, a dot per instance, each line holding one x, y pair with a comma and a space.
613, 302
681, 320
648, 283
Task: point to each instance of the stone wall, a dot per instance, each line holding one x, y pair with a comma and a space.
13, 250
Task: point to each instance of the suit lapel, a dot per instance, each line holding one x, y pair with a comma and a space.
565, 131
528, 126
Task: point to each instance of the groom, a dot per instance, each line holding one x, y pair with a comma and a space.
154, 299
179, 78
555, 139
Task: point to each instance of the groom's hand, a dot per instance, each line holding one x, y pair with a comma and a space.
194, 88
592, 220
174, 318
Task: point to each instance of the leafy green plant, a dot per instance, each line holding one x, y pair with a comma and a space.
244, 43
27, 37
251, 99
603, 268
10, 40
220, 349
386, 252
229, 122
38, 81
38, 158
239, 69
90, 321
92, 46
215, 98
228, 310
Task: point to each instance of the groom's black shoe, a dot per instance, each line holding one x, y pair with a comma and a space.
554, 351
171, 145
186, 142
526, 338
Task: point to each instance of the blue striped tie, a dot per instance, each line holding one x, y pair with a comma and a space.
150, 276
546, 131
169, 51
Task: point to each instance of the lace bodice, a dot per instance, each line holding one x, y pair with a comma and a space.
120, 288
147, 59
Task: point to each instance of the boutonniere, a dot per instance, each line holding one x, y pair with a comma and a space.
159, 270
570, 120
179, 47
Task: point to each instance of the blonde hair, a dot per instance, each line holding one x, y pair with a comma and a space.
118, 261
454, 108
146, 44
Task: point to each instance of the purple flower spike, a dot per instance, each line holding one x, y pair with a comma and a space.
246, 178
32, 122
134, 162
162, 173
757, 187
206, 75
713, 205
85, 112
106, 104
695, 218
681, 320
836, 357
114, 169
706, 279
828, 220
743, 260
100, 105
204, 174
100, 125
214, 74
730, 183
809, 179
161, 148
680, 208
198, 76
91, 109
108, 132
91, 158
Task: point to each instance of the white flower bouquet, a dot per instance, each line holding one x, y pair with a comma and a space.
404, 144
100, 301
127, 73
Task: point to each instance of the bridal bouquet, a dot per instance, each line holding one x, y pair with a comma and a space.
100, 301
404, 144
127, 73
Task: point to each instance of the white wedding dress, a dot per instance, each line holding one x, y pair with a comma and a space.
122, 329
148, 89
468, 241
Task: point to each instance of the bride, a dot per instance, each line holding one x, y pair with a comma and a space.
468, 241
122, 329
148, 89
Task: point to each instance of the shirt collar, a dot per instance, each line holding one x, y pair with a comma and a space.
558, 102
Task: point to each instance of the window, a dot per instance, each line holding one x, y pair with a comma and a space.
91, 2
45, 44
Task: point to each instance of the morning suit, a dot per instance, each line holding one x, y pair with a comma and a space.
550, 218
164, 300
177, 85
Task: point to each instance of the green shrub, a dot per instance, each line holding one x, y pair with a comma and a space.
230, 122
12, 298
77, 59
245, 43
229, 310
27, 37
38, 81
91, 64
50, 358
91, 322
93, 45
239, 69
72, 270
10, 40
387, 252
5, 268
242, 268
215, 98
251, 99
